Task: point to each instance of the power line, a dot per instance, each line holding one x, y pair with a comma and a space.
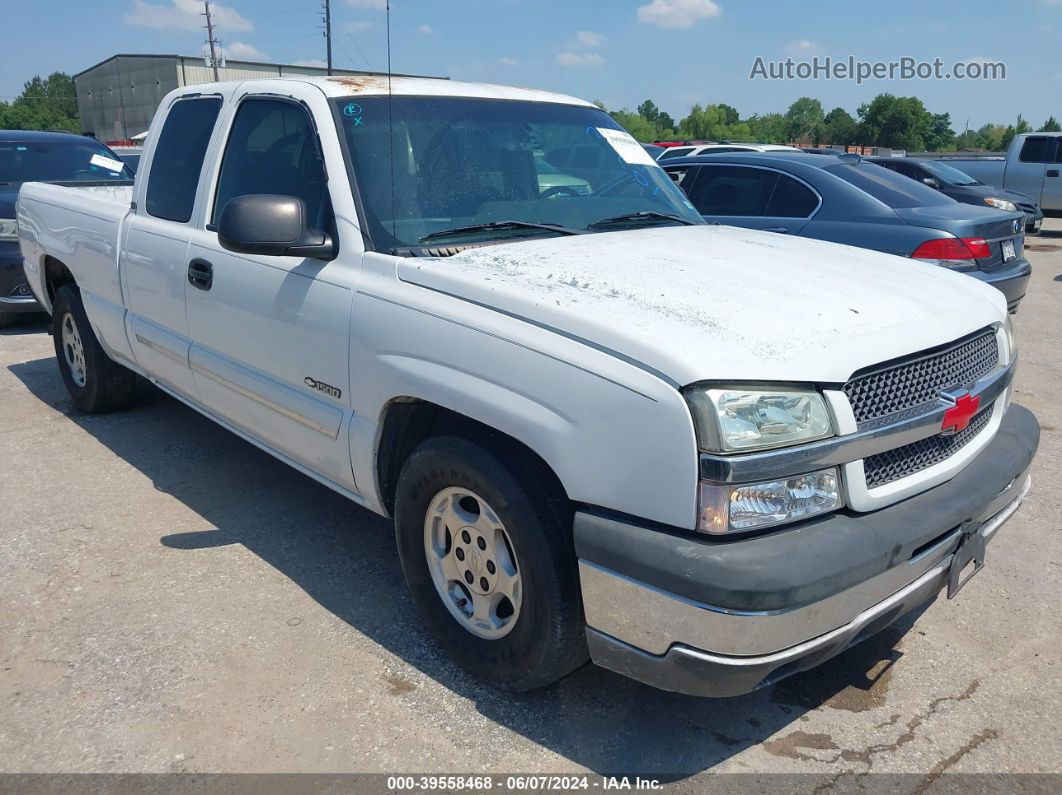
362, 54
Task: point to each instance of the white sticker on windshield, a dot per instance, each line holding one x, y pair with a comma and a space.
626, 147
106, 162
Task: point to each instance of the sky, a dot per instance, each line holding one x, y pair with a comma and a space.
620, 52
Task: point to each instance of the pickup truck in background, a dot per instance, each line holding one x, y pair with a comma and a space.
1032, 166
702, 456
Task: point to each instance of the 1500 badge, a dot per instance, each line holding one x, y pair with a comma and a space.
321, 386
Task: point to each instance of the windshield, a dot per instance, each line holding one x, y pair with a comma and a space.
888, 187
464, 162
949, 174
59, 160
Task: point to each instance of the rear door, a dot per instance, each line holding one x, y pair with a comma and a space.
1052, 197
752, 197
271, 334
154, 261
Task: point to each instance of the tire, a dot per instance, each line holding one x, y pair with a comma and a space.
8, 319
95, 382
526, 645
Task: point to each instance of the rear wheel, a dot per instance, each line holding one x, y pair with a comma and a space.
485, 543
94, 381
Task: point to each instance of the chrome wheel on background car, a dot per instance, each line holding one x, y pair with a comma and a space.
472, 563
73, 350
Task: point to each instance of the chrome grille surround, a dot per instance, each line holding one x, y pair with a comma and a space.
918, 381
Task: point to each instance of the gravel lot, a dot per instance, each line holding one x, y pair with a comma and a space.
173, 599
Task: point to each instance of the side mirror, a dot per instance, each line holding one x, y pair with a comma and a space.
931, 182
268, 224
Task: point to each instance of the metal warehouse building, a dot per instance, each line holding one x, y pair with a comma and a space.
117, 98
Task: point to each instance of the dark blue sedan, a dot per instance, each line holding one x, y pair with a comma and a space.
845, 199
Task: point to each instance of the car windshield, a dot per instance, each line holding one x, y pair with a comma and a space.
888, 187
948, 174
470, 162
59, 160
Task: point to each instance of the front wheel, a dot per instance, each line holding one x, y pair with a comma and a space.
485, 544
94, 381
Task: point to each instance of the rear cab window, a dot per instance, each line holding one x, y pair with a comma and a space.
178, 158
890, 188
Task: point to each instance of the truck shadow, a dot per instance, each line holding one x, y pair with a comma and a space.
344, 557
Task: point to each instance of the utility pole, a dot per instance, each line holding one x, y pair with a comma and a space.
211, 40
328, 31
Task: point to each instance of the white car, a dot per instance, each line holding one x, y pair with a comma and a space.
692, 150
702, 456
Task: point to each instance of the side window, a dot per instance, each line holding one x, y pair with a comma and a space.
732, 190
1037, 150
272, 148
680, 174
791, 199
178, 158
675, 151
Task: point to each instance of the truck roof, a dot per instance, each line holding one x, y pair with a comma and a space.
366, 85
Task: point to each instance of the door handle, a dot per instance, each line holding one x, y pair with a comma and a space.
1052, 172
779, 229
200, 274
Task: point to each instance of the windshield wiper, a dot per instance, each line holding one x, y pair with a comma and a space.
494, 226
650, 216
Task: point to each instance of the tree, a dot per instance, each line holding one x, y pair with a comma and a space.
44, 104
895, 122
941, 137
769, 128
1051, 125
805, 120
841, 127
731, 116
1021, 126
636, 124
990, 136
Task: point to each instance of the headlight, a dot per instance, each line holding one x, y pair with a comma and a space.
8, 229
734, 508
738, 420
1001, 204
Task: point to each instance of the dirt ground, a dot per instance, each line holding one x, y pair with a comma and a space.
172, 599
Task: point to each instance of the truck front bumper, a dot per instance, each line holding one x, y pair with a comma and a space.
715, 618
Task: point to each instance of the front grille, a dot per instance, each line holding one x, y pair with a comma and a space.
917, 381
911, 458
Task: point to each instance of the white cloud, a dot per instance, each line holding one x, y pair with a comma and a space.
802, 47
426, 29
242, 50
590, 39
579, 59
379, 5
310, 62
184, 15
508, 62
677, 13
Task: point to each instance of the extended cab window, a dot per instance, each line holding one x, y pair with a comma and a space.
733, 190
178, 158
273, 148
1037, 150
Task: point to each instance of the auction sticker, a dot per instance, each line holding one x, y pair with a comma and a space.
626, 147
106, 162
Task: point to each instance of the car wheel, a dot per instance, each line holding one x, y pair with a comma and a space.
486, 549
94, 381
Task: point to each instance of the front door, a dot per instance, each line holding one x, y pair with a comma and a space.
752, 197
270, 334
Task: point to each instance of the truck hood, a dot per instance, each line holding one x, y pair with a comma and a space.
719, 302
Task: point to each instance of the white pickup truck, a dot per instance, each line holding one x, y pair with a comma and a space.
702, 456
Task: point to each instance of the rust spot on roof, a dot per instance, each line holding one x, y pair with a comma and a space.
362, 83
